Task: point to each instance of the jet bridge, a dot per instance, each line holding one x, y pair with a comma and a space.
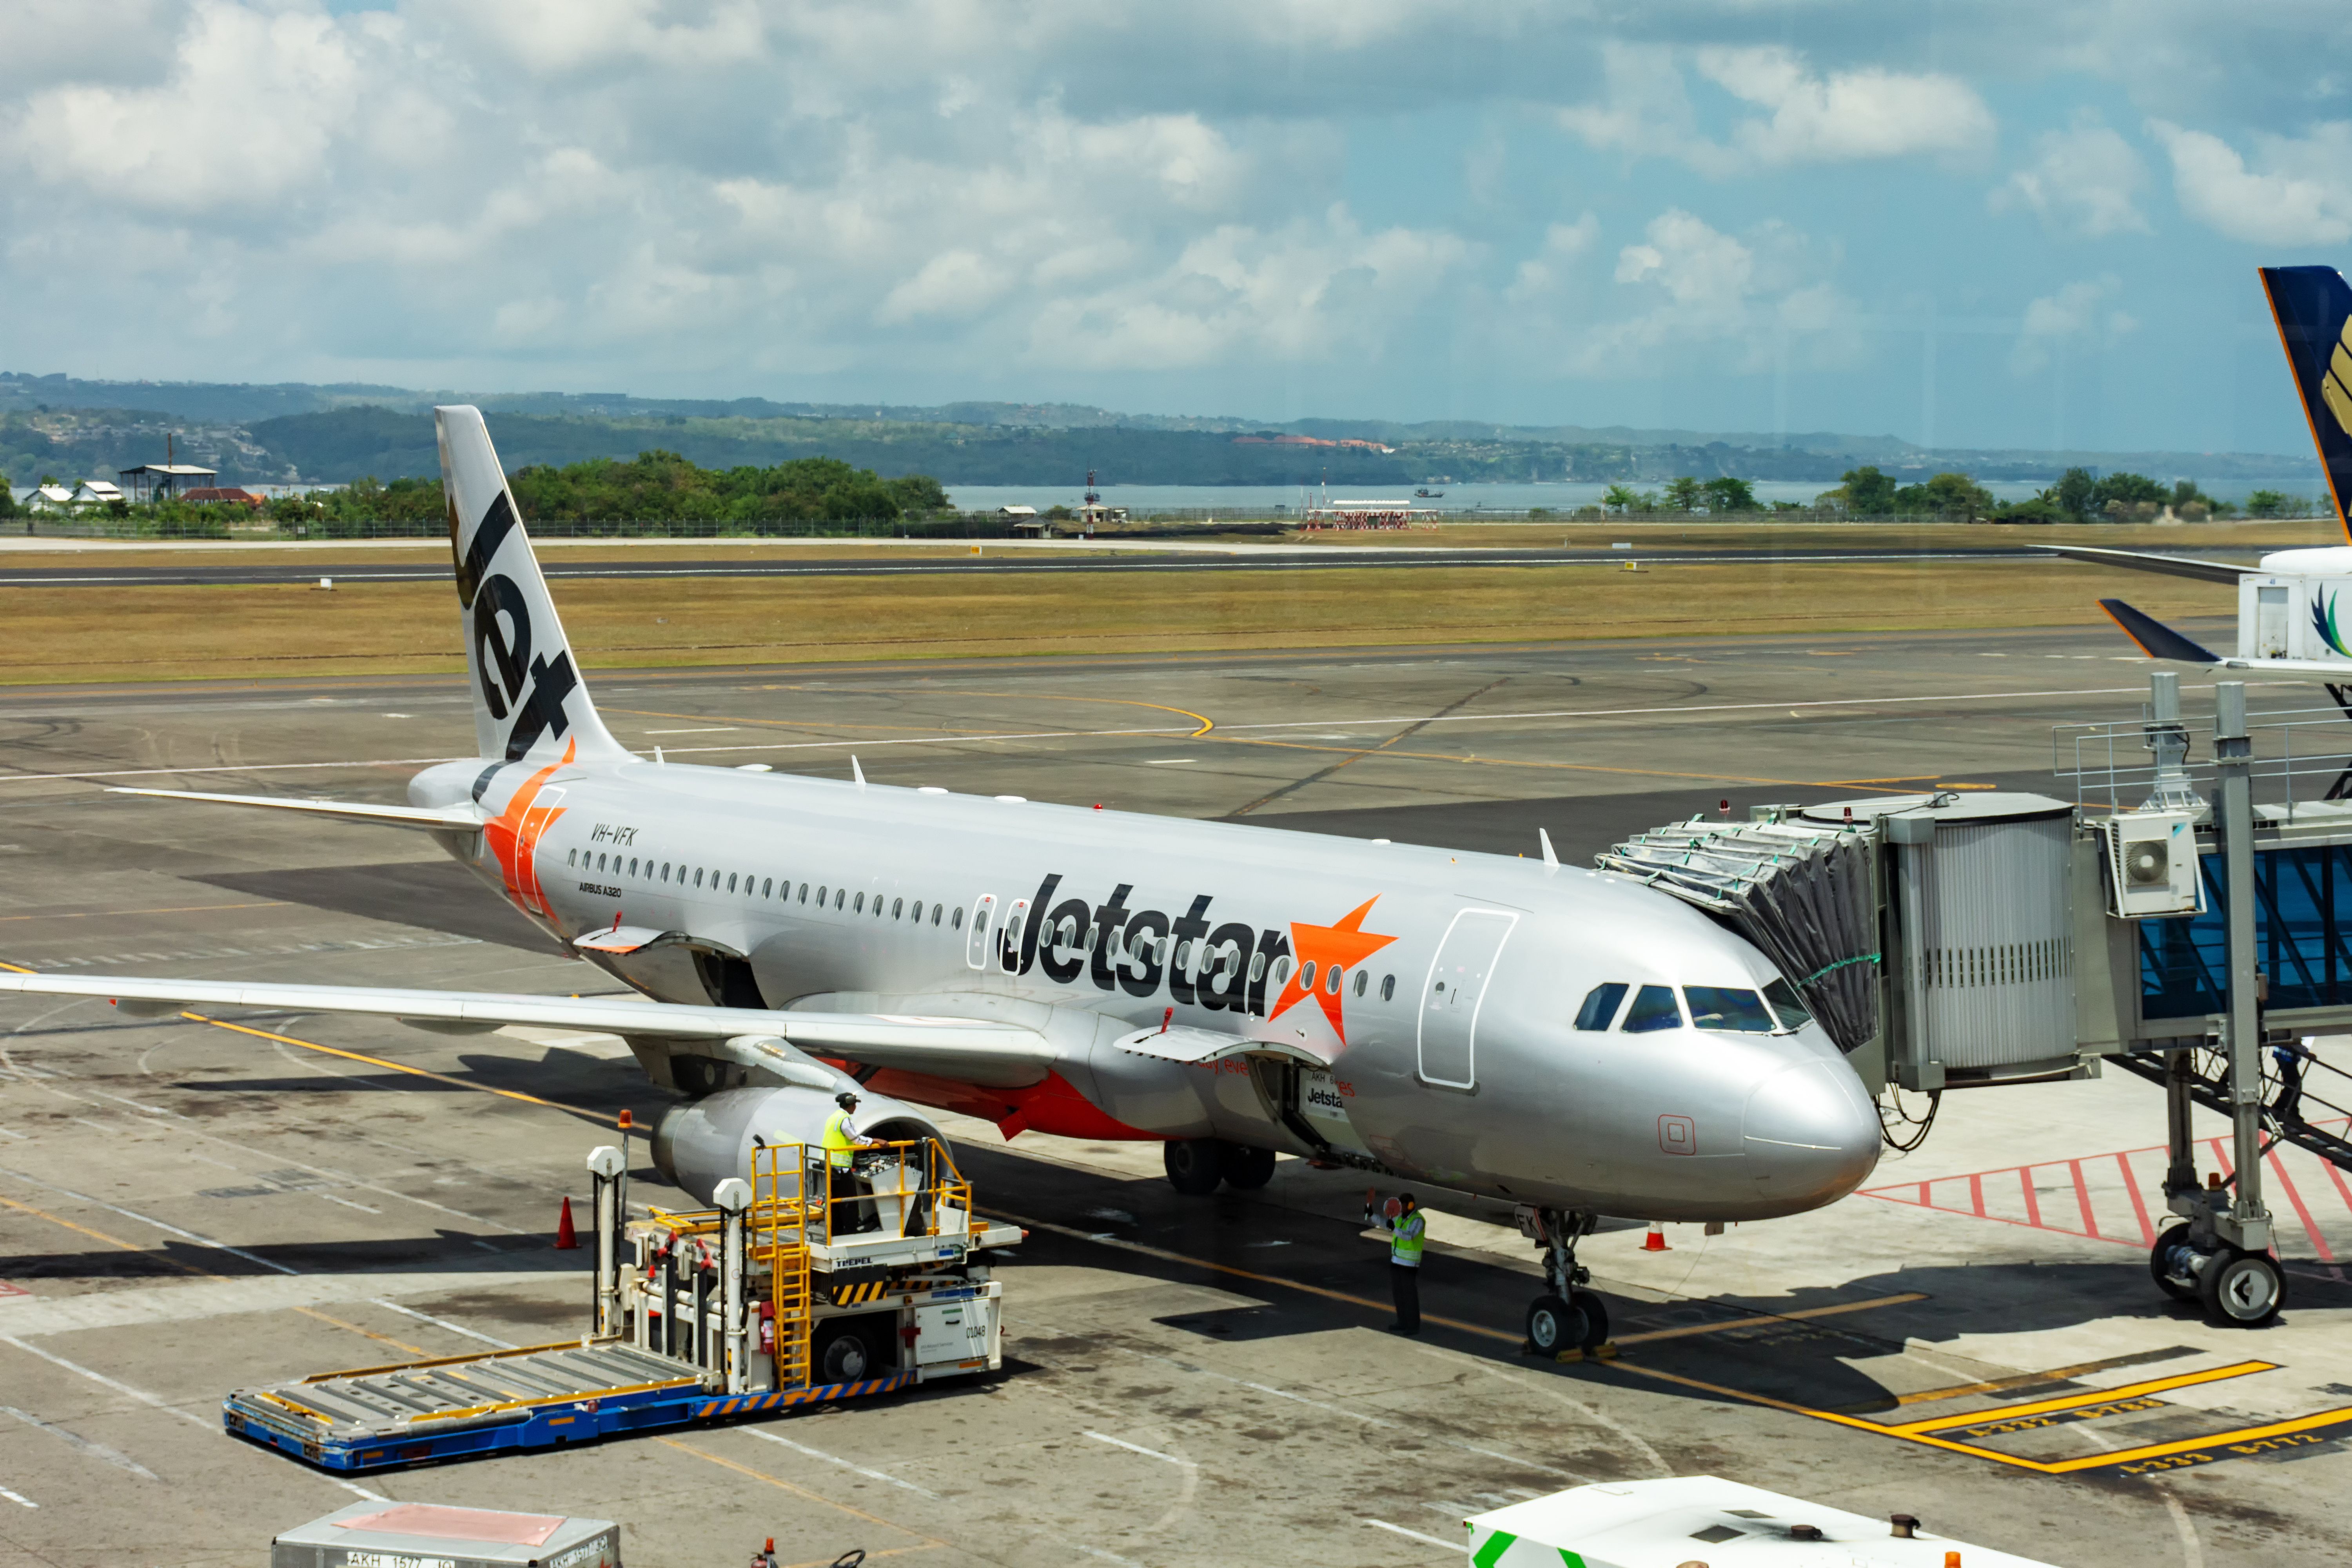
1980, 939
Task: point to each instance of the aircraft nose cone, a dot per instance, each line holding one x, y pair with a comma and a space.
1811, 1135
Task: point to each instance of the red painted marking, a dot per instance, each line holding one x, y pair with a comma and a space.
1924, 1200
2278, 1169
2033, 1204
2139, 1205
1976, 1193
2336, 1176
2221, 1158
2082, 1196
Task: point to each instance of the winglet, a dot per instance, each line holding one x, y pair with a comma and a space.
1551, 861
2313, 307
855, 771
2155, 639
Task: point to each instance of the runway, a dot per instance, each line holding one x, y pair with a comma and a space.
1256, 558
187, 1206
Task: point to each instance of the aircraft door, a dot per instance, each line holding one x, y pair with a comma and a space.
2269, 622
1450, 997
975, 935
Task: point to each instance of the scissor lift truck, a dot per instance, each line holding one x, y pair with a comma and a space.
795, 1290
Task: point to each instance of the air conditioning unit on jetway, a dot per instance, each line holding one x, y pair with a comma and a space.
2151, 865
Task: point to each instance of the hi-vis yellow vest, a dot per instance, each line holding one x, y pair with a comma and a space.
1405, 1238
840, 1148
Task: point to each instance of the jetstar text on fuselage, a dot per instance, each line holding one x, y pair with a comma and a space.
1215, 965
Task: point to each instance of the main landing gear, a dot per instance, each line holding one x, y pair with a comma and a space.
1567, 1319
1198, 1166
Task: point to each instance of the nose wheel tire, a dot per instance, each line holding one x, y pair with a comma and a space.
1596, 1317
1554, 1325
2241, 1290
1244, 1169
2160, 1259
1193, 1167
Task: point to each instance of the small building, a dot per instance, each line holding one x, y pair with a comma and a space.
94, 492
48, 498
153, 481
227, 494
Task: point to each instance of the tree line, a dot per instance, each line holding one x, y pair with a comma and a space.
1866, 491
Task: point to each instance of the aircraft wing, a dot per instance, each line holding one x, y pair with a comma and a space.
465, 817
962, 1049
2140, 561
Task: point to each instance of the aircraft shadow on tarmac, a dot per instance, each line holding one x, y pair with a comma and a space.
1298, 1273
572, 1080
442, 1251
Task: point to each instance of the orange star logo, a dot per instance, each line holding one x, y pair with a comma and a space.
514, 836
1331, 949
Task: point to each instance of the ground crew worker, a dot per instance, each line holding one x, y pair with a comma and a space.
1405, 1228
2288, 1106
841, 1179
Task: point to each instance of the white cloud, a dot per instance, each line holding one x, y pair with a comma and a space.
1842, 116
1548, 270
2297, 192
1814, 117
2084, 180
1311, 291
1748, 302
246, 112
2075, 313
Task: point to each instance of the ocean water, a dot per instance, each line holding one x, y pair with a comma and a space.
1258, 501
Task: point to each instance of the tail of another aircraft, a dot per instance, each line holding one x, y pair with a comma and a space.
2313, 306
527, 700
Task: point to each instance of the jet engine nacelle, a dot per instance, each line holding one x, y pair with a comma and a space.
701, 1143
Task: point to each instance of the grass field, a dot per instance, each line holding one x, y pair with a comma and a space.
68, 634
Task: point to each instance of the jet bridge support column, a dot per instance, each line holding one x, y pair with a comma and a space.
2222, 1253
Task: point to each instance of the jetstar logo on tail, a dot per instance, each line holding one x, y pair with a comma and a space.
1328, 956
514, 834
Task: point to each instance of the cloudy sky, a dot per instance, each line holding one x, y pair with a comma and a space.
1963, 224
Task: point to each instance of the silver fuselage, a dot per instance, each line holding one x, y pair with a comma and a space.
1455, 1057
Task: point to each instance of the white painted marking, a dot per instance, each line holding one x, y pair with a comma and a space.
164, 1226
199, 1299
1415, 1535
358, 1490
836, 1460
135, 1105
442, 1324
704, 730
17, 1497
95, 1450
1166, 761
346, 1203
1138, 1448
140, 1395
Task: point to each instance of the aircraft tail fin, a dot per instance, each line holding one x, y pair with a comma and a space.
2154, 639
2313, 307
528, 701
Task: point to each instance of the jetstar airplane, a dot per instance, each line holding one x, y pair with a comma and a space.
1563, 1040
2287, 601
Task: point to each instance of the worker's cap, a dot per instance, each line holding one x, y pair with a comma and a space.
1406, 1199
845, 1099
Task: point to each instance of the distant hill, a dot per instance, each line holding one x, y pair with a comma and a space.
298, 432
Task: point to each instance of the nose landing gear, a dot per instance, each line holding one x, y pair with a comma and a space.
1568, 1320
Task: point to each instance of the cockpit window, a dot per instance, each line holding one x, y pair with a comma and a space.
1783, 998
1600, 1006
1728, 1007
1654, 1008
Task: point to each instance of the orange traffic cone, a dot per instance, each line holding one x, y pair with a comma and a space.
566, 1238
1656, 1240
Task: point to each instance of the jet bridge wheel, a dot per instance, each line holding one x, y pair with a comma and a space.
2164, 1257
1195, 1166
2241, 1290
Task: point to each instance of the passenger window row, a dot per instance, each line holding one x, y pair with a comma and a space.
1732, 1009
756, 887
